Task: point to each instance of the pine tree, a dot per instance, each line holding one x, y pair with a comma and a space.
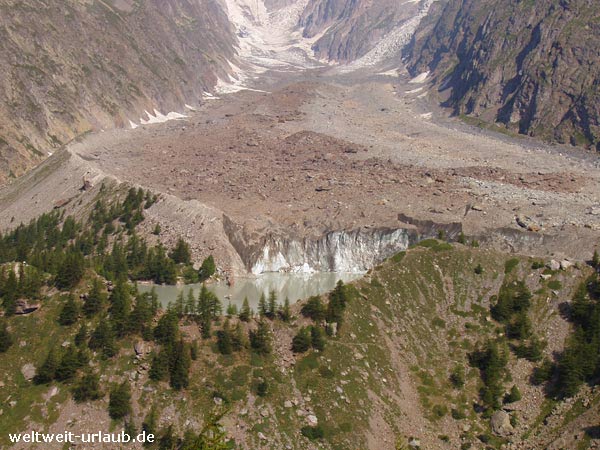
67, 368
69, 313
263, 309
87, 388
244, 314
209, 308
6, 339
317, 338
149, 424
224, 340
120, 307
238, 338
285, 314
159, 368
260, 339
337, 304
180, 366
9, 294
47, 371
596, 259
181, 253
167, 329
119, 404
71, 270
179, 304
314, 309
232, 310
207, 269
190, 305
129, 429
272, 306
301, 342
103, 339
95, 300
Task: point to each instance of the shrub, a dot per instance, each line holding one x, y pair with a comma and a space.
313, 433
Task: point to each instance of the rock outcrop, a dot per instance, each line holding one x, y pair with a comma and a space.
530, 67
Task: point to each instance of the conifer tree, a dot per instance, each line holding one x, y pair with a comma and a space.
224, 340
317, 338
87, 388
149, 425
159, 368
244, 314
6, 339
190, 305
285, 314
119, 404
596, 259
95, 300
232, 310
167, 329
207, 269
103, 339
238, 338
263, 309
120, 307
301, 342
260, 339
47, 371
69, 313
67, 368
272, 304
180, 366
9, 294
179, 304
181, 253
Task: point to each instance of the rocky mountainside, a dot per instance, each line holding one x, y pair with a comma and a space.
76, 66
349, 29
531, 67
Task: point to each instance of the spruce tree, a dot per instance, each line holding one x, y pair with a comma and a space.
244, 314
159, 368
260, 339
87, 388
95, 300
103, 339
47, 371
179, 304
238, 338
69, 313
207, 269
67, 368
119, 404
272, 305
181, 253
596, 259
190, 305
314, 309
120, 307
317, 338
232, 310
301, 342
149, 425
10, 292
180, 366
224, 340
263, 309
285, 314
6, 339
167, 329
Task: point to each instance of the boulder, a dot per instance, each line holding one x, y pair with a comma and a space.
500, 423
566, 264
312, 420
139, 347
553, 265
28, 371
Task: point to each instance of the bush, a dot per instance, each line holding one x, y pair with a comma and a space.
458, 414
302, 341
440, 411
510, 265
513, 396
457, 377
313, 433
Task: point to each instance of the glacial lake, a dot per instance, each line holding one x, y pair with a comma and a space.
294, 286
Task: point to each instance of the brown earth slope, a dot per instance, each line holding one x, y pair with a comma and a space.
75, 66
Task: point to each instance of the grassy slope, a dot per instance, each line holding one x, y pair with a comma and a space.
409, 323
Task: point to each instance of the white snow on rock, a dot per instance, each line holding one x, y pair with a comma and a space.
427, 115
421, 78
414, 91
391, 45
158, 117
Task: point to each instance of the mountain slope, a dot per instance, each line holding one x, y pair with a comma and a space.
530, 66
72, 67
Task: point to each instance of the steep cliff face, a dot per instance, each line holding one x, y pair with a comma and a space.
531, 67
73, 66
349, 29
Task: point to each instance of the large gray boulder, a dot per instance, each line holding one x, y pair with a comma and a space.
500, 423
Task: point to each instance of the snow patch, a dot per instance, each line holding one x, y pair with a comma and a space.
158, 117
132, 125
414, 91
421, 78
426, 115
